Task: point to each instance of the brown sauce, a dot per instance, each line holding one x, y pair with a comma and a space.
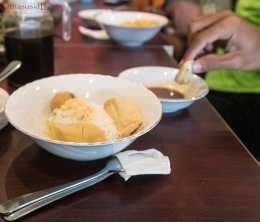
165, 93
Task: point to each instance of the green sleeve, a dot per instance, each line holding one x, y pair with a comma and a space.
233, 80
249, 10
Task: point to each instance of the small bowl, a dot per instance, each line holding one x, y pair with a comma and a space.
156, 76
3, 98
133, 35
29, 106
89, 16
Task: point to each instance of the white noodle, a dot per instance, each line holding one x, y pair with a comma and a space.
105, 123
87, 112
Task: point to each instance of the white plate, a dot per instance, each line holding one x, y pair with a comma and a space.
3, 98
89, 15
151, 76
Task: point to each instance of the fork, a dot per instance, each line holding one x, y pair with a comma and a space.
20, 206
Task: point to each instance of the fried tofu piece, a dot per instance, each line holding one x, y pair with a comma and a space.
60, 98
79, 133
185, 72
125, 114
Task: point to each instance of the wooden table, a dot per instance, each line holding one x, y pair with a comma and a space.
214, 178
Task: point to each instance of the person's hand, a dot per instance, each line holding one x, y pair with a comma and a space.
241, 41
181, 13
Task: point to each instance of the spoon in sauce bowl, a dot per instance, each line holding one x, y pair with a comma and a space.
12, 66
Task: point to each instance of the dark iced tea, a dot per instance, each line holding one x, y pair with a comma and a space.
36, 55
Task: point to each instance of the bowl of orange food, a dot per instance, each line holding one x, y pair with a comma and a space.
83, 117
130, 28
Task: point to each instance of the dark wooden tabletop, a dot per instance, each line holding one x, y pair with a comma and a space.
213, 177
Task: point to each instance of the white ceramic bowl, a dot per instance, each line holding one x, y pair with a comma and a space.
3, 98
89, 15
151, 76
130, 36
28, 107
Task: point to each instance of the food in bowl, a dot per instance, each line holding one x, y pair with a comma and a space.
60, 98
130, 36
29, 118
139, 23
154, 77
79, 120
125, 114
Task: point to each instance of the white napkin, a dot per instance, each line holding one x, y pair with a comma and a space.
95, 34
149, 161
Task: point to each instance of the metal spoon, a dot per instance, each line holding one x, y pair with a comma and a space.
20, 206
12, 66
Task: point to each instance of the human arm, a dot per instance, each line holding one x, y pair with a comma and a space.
181, 12
240, 39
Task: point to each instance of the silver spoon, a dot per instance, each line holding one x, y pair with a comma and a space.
20, 206
12, 66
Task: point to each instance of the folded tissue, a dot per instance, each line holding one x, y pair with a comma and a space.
149, 161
